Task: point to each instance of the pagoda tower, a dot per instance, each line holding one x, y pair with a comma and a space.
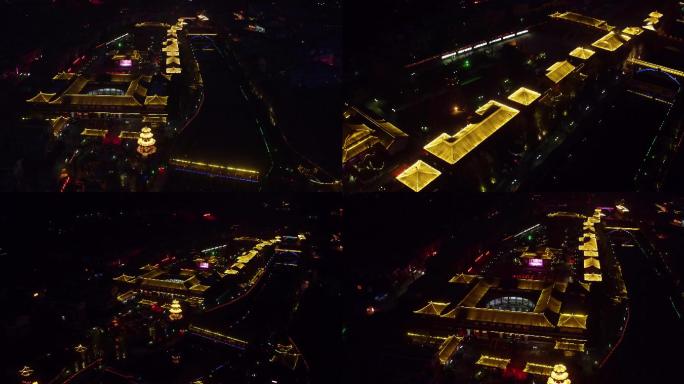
559, 375
175, 312
81, 350
146, 142
27, 375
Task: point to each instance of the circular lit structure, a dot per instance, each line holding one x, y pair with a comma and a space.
511, 303
175, 312
559, 375
146, 142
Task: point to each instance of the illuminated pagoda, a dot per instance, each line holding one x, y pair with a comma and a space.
27, 375
146, 142
81, 350
559, 375
175, 312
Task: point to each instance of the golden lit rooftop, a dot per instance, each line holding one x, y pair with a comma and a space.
432, 308
559, 70
172, 60
528, 319
569, 345
448, 347
129, 135
524, 96
63, 76
462, 278
581, 19
418, 175
475, 294
94, 132
531, 285
655, 14
572, 320
156, 100
538, 369
593, 277
609, 42
634, 31
41, 98
453, 148
590, 245
592, 262
582, 53
491, 361
359, 140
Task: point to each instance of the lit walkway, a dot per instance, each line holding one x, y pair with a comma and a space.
671, 71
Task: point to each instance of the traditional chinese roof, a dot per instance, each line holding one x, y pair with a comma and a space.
524, 96
432, 308
156, 100
491, 361
609, 42
418, 175
559, 70
41, 98
448, 347
570, 320
582, 53
452, 148
463, 278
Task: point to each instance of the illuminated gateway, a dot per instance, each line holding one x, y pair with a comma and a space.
530, 291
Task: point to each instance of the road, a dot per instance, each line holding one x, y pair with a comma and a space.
649, 350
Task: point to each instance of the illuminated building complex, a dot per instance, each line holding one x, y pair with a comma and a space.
533, 290
200, 281
122, 93
490, 135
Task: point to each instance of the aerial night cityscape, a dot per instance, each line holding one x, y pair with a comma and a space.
517, 288
487, 95
247, 173
129, 291
171, 95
